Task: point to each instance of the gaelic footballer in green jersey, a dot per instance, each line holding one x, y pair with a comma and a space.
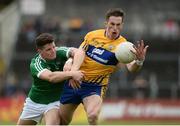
46, 69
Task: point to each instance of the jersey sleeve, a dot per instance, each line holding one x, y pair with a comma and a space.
37, 67
63, 52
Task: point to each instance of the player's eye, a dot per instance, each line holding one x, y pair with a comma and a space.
112, 24
48, 49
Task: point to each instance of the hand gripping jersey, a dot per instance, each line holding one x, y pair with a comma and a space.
42, 91
100, 60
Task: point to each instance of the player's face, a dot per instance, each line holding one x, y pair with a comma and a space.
113, 27
48, 52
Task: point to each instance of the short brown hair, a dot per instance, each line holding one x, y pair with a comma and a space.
115, 12
43, 39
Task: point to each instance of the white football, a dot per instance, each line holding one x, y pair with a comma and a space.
123, 52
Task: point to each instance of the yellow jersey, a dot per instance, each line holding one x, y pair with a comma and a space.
100, 60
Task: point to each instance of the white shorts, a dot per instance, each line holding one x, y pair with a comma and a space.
34, 111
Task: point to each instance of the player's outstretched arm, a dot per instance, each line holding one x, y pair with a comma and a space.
73, 63
140, 52
58, 76
78, 56
75, 60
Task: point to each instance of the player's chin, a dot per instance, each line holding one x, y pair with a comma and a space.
114, 35
52, 57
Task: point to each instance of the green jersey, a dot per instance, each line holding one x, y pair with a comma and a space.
43, 91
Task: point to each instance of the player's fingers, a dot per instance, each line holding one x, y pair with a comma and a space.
138, 44
76, 84
135, 47
134, 52
138, 47
145, 49
72, 84
79, 86
82, 74
137, 50
142, 42
82, 71
142, 45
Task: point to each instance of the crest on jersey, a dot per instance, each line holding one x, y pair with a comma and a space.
111, 47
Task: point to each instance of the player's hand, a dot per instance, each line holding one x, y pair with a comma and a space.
76, 79
78, 75
67, 65
140, 50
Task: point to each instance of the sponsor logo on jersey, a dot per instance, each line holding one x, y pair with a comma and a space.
98, 51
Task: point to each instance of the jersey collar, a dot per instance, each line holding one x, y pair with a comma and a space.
42, 58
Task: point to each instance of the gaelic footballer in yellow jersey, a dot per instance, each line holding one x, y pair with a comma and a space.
98, 64
100, 60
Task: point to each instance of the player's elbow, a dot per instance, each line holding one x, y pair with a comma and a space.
77, 52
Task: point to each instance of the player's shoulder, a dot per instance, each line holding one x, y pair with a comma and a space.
96, 32
37, 59
122, 38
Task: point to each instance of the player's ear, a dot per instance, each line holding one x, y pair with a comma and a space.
122, 24
38, 50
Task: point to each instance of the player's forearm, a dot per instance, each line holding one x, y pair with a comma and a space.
78, 59
134, 66
56, 77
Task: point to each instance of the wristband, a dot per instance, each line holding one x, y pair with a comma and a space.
139, 62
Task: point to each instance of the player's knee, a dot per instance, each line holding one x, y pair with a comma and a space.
53, 121
93, 117
65, 121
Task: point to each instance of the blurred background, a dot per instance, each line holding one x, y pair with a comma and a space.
148, 97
